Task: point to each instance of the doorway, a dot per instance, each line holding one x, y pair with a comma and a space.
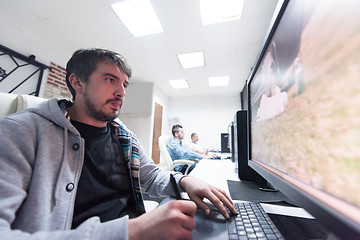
156, 133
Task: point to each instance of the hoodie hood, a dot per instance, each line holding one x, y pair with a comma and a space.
55, 111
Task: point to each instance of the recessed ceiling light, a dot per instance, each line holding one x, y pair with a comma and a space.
178, 84
138, 16
218, 81
215, 11
191, 60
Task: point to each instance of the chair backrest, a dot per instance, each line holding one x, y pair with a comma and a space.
166, 161
26, 101
8, 103
12, 103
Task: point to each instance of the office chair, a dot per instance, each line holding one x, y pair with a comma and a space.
166, 162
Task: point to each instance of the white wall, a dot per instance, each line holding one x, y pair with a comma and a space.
27, 43
137, 113
207, 116
138, 98
141, 125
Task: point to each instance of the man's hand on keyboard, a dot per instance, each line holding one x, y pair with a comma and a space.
198, 190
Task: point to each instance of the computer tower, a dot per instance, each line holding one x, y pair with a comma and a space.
241, 147
225, 143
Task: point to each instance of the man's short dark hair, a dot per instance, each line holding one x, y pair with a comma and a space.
175, 129
84, 61
193, 135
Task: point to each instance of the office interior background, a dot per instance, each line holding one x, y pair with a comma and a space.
52, 30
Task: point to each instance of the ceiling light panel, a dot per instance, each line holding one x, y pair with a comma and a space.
191, 60
179, 83
215, 11
138, 16
218, 81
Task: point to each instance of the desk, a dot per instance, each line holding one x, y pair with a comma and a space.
293, 222
221, 173
215, 172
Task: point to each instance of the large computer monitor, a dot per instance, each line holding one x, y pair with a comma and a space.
240, 151
304, 110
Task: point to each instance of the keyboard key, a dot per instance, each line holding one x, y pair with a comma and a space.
268, 231
249, 230
247, 221
257, 229
243, 238
248, 225
251, 235
271, 236
240, 228
256, 224
233, 236
259, 234
239, 224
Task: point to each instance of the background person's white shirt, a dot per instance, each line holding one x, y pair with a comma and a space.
196, 147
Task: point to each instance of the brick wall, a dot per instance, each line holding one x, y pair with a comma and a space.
56, 84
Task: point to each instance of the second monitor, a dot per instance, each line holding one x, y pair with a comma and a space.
240, 152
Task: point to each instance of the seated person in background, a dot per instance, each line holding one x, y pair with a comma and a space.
194, 146
72, 170
178, 151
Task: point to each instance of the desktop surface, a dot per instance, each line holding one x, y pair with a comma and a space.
221, 173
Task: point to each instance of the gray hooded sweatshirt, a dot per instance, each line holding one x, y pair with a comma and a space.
41, 158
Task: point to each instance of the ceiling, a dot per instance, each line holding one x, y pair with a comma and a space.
230, 48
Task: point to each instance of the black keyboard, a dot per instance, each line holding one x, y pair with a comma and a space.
252, 222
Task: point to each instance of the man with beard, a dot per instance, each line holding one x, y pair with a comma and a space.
72, 170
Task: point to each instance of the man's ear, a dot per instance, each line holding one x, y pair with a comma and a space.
76, 83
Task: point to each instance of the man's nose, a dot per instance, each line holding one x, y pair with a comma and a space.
120, 91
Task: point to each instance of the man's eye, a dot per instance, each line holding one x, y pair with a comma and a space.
109, 80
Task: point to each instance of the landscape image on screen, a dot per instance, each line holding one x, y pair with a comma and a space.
305, 97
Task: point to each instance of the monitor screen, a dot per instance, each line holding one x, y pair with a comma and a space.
304, 100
